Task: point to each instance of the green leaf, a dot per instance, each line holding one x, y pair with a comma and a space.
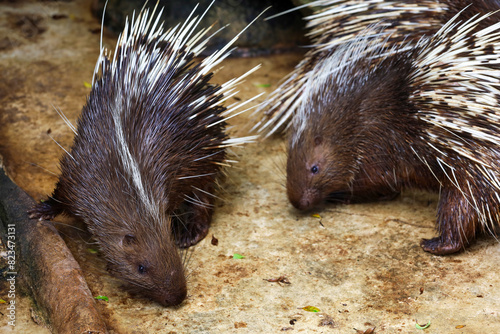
102, 298
87, 85
311, 309
2, 301
424, 326
238, 256
92, 251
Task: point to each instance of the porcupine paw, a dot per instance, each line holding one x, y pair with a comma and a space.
43, 211
191, 234
35, 213
439, 246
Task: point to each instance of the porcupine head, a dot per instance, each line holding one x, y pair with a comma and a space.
344, 125
150, 135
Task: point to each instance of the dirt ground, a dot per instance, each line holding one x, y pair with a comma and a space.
360, 265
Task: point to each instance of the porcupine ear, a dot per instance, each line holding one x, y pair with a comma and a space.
126, 240
129, 239
331, 26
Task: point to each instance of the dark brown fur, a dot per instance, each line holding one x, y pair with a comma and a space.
365, 142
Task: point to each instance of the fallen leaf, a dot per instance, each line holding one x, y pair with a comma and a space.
311, 309
102, 298
423, 326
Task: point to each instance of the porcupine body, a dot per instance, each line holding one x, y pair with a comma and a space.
335, 23
149, 142
377, 120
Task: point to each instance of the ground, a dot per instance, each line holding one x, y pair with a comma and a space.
360, 265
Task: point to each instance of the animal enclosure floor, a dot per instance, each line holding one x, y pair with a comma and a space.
360, 265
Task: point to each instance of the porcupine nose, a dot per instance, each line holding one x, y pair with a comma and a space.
173, 290
306, 201
296, 202
175, 297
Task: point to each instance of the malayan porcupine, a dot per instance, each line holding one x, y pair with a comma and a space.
149, 145
375, 119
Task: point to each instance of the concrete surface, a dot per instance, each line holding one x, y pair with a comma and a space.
360, 265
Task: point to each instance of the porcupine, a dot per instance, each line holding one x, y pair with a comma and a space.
378, 120
150, 141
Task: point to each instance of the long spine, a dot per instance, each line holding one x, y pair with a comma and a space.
335, 24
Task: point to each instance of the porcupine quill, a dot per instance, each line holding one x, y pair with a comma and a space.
337, 23
150, 142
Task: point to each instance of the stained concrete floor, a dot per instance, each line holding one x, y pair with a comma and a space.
360, 265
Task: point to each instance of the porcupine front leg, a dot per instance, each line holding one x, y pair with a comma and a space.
46, 210
198, 214
457, 221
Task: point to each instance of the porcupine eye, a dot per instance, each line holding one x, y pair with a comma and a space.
314, 169
141, 269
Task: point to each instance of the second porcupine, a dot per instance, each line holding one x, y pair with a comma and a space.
427, 118
149, 146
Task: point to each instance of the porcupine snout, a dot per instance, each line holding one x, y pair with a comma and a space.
174, 296
307, 200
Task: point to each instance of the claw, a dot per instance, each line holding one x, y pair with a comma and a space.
440, 247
